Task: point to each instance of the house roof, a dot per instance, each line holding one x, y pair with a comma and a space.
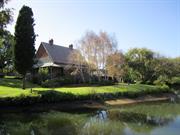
58, 54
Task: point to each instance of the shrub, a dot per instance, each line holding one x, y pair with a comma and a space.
36, 79
50, 83
175, 81
54, 96
57, 82
162, 80
106, 82
102, 82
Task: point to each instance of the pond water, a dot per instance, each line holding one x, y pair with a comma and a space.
160, 118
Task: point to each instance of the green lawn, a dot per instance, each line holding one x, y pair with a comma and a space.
10, 87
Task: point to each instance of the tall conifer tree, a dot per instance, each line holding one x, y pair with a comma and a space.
24, 50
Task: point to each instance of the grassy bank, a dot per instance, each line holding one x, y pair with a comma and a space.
12, 94
10, 87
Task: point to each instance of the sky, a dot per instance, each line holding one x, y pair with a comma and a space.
154, 24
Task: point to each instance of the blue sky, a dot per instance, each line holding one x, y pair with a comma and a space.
154, 24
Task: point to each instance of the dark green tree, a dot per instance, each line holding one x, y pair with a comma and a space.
24, 50
5, 17
6, 51
6, 38
142, 61
2, 2
166, 69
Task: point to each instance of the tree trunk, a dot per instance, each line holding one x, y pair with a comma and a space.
89, 74
24, 82
82, 75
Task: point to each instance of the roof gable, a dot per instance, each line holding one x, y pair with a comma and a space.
58, 54
41, 52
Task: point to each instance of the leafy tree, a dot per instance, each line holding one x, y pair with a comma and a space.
176, 63
2, 2
24, 50
142, 61
166, 69
114, 65
5, 17
95, 48
78, 65
6, 48
6, 38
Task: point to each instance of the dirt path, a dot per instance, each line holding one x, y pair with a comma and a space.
125, 101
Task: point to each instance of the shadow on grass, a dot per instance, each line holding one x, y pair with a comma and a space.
15, 83
86, 85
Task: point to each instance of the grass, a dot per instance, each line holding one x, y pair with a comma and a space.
11, 87
103, 89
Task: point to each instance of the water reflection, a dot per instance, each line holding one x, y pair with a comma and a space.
138, 118
102, 114
160, 118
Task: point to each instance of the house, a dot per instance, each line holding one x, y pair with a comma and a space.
54, 57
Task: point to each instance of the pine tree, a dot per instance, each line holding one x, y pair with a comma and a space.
24, 50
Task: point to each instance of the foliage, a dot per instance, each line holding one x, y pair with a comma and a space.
5, 17
55, 96
95, 48
146, 66
5, 36
51, 83
114, 65
142, 61
6, 48
175, 81
57, 82
79, 68
24, 50
103, 82
3, 2
162, 80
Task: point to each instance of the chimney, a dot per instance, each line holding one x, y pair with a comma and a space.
71, 46
51, 41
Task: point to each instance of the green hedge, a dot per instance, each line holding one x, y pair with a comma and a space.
57, 82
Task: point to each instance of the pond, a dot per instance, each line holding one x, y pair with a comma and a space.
160, 118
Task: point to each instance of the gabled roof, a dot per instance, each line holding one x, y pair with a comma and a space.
58, 54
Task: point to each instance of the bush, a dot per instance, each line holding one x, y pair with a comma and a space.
39, 78
20, 100
50, 83
162, 80
57, 82
36, 79
175, 81
102, 82
106, 82
54, 96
